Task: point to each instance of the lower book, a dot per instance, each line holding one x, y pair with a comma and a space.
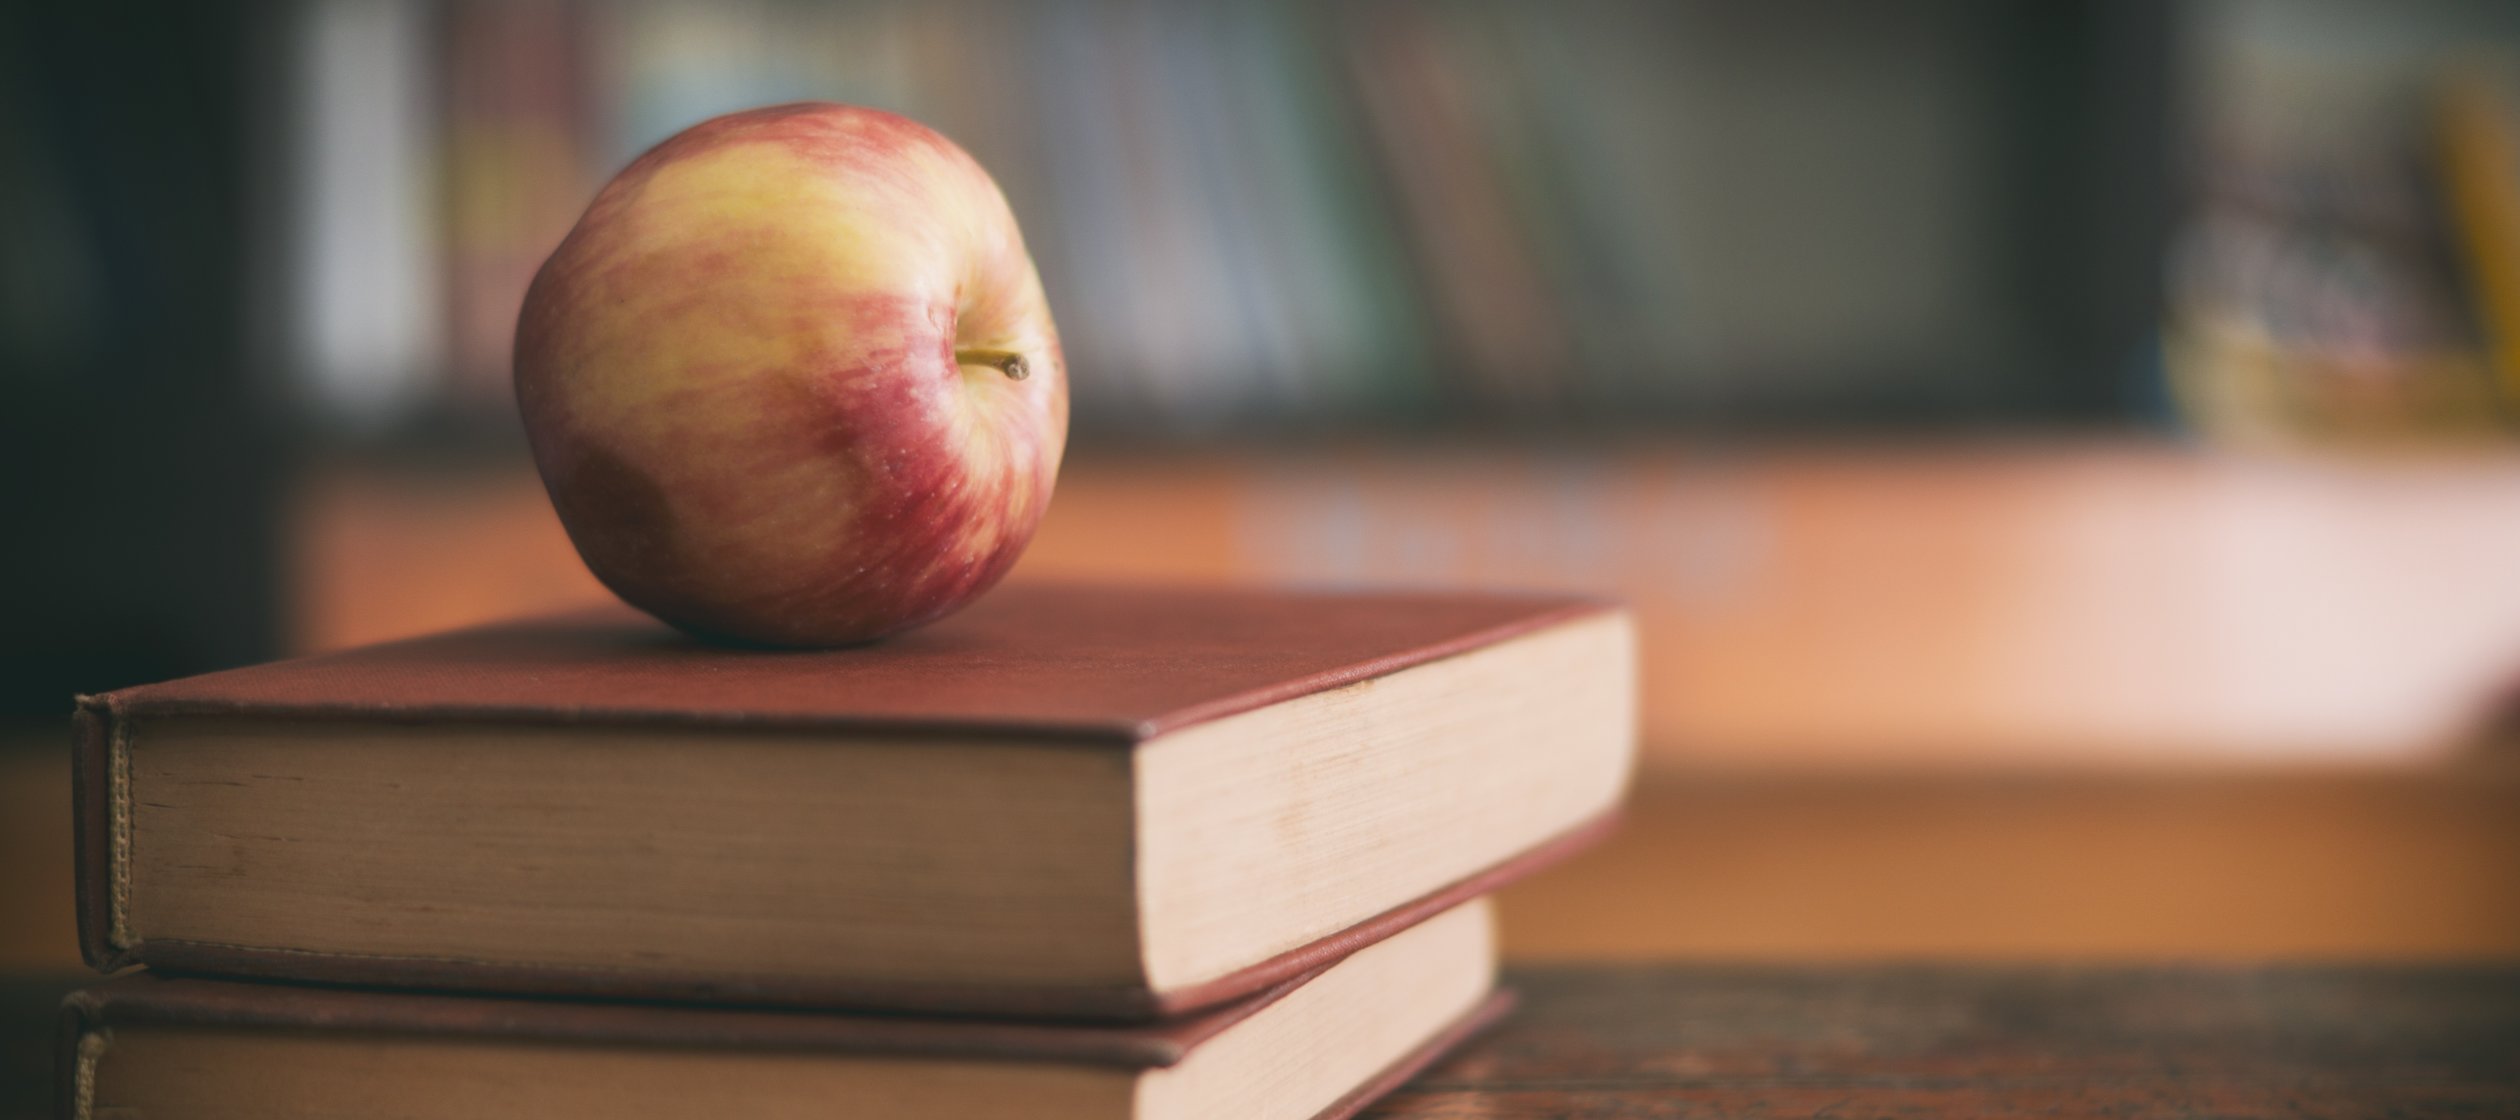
1322, 1047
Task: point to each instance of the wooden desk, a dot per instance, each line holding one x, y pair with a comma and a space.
1933, 1041
1788, 1041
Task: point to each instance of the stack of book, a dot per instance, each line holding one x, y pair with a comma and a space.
1077, 851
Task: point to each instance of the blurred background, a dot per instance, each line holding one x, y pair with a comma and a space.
2062, 455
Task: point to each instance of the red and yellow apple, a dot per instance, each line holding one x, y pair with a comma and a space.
791, 380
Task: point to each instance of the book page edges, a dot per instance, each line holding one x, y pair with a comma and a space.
1100, 1004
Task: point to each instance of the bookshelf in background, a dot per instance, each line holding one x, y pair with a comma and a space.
1291, 217
2349, 271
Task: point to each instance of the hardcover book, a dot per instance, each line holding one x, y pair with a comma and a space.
1066, 801
151, 1048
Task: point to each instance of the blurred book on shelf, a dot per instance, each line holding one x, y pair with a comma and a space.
1263, 217
2480, 146
2350, 271
517, 168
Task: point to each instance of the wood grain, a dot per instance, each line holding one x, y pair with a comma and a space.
1663, 1041
1626, 1042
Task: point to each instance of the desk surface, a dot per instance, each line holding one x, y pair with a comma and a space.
1697, 1041
1934, 1041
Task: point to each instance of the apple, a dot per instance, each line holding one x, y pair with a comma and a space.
792, 381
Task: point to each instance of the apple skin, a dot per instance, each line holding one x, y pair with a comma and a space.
791, 380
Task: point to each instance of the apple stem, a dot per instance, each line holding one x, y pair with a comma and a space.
1007, 362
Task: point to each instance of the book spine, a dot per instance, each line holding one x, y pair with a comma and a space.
2481, 172
97, 780
517, 128
1438, 151
81, 1042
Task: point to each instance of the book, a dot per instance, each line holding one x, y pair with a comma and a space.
1065, 801
516, 170
2480, 156
2332, 282
1320, 1047
1417, 90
